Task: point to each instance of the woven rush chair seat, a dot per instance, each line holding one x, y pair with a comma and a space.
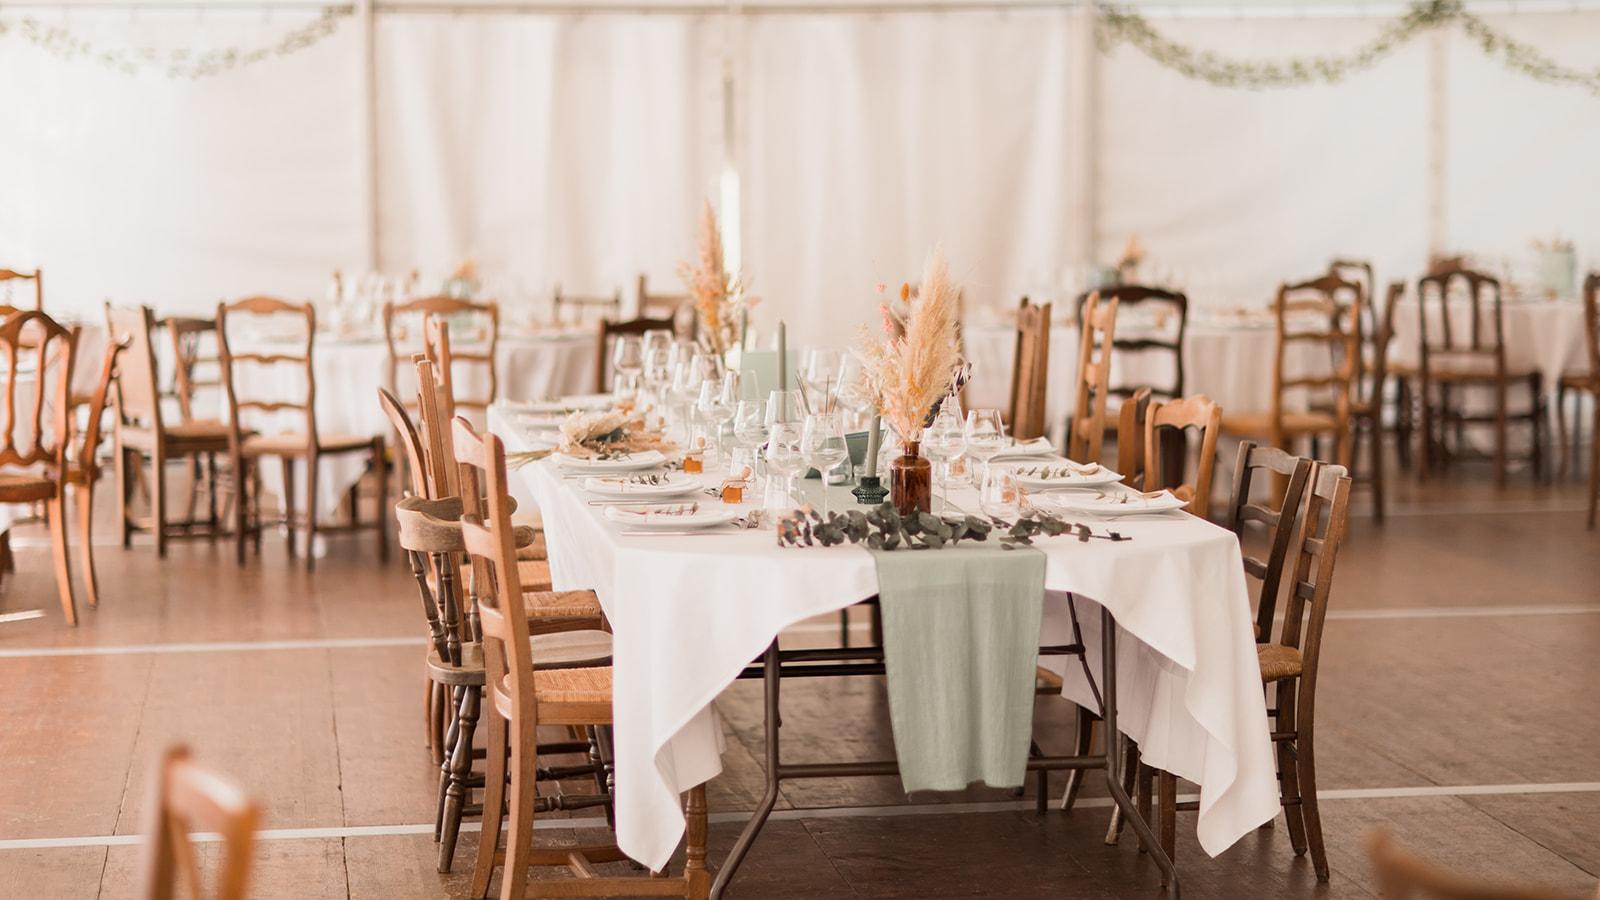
1478, 369
557, 650
1294, 423
440, 521
293, 442
566, 686
1278, 662
23, 488
200, 435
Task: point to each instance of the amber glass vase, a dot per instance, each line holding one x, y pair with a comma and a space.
911, 481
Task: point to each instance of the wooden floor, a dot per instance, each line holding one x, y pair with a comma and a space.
1458, 707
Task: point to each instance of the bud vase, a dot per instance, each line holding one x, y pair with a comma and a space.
911, 481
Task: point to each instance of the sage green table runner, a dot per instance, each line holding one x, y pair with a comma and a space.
961, 645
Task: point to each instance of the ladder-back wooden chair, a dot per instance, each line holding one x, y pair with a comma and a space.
10, 277
1290, 664
477, 351
1098, 326
522, 698
1578, 383
188, 799
1030, 371
83, 469
38, 355
303, 441
1453, 363
1163, 336
197, 370
1198, 413
142, 433
575, 309
610, 331
1130, 438
1323, 312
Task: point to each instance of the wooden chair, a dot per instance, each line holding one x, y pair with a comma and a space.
83, 469
1324, 311
574, 309
1130, 438
1098, 325
197, 367
142, 433
660, 306
1367, 404
1290, 664
188, 799
1402, 875
1030, 373
441, 308
7, 276
247, 449
1171, 308
31, 441
1197, 412
522, 698
1579, 383
610, 331
1453, 363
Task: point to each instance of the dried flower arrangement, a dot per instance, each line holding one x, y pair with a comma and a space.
883, 528
600, 435
910, 366
718, 295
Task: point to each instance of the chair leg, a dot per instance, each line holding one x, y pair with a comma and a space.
1564, 459
1143, 797
211, 493
381, 522
436, 708
1402, 421
91, 583
311, 511
453, 700
1306, 767
1168, 801
519, 843
56, 512
1087, 725
288, 505
1377, 469
241, 506
494, 798
1594, 463
124, 485
1500, 435
158, 500
460, 772
1288, 777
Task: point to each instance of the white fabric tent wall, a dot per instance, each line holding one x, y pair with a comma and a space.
576, 149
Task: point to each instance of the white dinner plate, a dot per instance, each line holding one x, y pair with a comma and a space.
1056, 476
670, 484
1115, 503
629, 462
1039, 446
589, 401
672, 516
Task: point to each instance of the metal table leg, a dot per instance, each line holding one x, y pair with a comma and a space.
1130, 813
770, 677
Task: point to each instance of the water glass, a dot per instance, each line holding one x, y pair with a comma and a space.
786, 455
749, 430
627, 354
942, 442
823, 445
986, 435
1001, 496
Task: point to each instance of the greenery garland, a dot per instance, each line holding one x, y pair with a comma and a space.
62, 43
1121, 25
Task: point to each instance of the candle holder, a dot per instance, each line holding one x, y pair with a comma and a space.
870, 492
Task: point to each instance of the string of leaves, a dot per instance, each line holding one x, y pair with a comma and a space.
883, 528
181, 62
1121, 25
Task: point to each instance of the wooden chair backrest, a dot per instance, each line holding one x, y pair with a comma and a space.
1443, 339
239, 370
36, 276
410, 444
486, 531
1098, 324
187, 334
1168, 339
436, 309
31, 439
88, 450
660, 306
611, 330
1591, 321
191, 799
1130, 438
1322, 528
1280, 517
1030, 374
1324, 311
1402, 875
1378, 370
609, 307
138, 380
435, 413
1360, 272
1197, 412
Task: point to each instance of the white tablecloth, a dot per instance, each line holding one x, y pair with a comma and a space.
691, 612
1230, 362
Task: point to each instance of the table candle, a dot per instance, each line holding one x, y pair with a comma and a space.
872, 446
783, 357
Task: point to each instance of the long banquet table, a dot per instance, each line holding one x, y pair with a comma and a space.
691, 612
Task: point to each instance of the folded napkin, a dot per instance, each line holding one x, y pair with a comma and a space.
961, 640
1039, 446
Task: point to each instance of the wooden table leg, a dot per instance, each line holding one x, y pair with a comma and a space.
695, 873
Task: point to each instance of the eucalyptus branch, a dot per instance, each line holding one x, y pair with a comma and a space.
883, 528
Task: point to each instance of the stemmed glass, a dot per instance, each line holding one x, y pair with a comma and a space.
819, 372
823, 445
749, 428
855, 391
716, 406
656, 339
627, 355
785, 454
688, 375
986, 435
943, 441
786, 406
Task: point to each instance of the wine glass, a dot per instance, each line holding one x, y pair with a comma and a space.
786, 406
624, 385
716, 405
986, 435
1001, 495
819, 373
749, 428
627, 354
656, 339
855, 390
823, 445
785, 454
942, 442
688, 375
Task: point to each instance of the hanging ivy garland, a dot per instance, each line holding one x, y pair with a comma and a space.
63, 43
1121, 25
